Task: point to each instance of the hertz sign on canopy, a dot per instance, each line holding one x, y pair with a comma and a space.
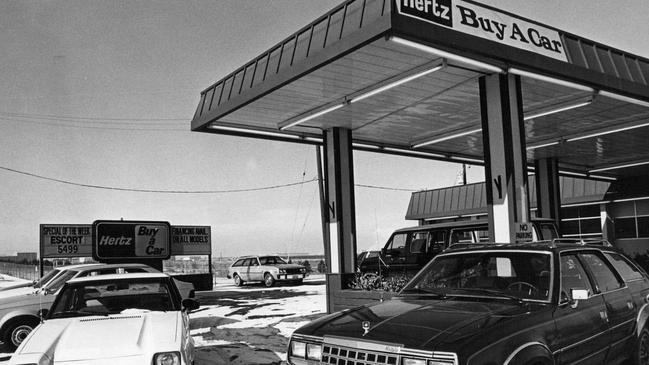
486, 23
131, 240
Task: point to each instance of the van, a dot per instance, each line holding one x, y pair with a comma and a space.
409, 249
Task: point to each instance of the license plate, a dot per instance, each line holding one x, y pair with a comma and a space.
294, 277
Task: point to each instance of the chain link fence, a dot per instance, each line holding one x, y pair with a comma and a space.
22, 271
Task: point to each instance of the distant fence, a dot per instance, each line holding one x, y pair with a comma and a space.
22, 271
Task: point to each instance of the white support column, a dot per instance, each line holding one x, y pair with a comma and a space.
505, 156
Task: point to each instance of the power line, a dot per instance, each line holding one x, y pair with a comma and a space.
67, 182
154, 190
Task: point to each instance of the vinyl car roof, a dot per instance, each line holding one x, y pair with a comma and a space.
125, 276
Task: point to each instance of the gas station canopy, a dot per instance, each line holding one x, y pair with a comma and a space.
403, 77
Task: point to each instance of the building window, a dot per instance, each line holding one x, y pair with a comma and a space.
631, 219
582, 221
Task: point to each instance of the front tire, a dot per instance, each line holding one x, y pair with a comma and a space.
17, 331
237, 280
641, 351
269, 280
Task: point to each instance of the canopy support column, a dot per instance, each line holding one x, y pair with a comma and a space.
341, 209
548, 194
505, 157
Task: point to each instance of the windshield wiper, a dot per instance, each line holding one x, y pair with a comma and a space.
425, 291
497, 293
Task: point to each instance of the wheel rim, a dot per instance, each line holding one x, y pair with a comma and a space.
268, 280
19, 334
237, 280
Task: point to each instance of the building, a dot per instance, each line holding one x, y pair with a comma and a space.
614, 210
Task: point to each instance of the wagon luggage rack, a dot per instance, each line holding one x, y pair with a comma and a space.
578, 241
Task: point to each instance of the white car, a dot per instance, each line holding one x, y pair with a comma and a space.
265, 269
113, 319
19, 312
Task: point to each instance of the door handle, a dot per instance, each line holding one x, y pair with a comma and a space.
604, 315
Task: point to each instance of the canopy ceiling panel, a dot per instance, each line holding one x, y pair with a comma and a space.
402, 79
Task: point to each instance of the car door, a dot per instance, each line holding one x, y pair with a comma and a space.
245, 270
254, 270
395, 251
582, 329
620, 308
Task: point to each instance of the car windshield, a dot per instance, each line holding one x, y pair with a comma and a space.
58, 282
104, 297
47, 277
271, 260
508, 274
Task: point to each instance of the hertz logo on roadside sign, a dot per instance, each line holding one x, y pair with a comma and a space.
487, 23
119, 240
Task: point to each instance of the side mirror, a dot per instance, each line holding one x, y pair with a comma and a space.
577, 295
190, 304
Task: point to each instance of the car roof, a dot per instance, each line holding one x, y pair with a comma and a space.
101, 266
125, 276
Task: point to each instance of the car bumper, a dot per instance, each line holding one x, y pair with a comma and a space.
290, 277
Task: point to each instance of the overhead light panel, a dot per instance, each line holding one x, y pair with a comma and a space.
390, 85
449, 56
411, 152
551, 80
299, 120
541, 145
617, 167
446, 137
608, 131
560, 109
624, 98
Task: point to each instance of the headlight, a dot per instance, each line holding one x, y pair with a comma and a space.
313, 352
298, 349
166, 358
305, 350
410, 361
302, 270
282, 271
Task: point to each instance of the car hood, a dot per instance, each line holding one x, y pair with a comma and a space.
15, 291
417, 323
26, 300
289, 266
102, 337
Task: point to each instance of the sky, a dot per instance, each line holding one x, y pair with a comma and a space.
97, 98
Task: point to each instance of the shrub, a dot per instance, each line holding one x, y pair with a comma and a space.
370, 281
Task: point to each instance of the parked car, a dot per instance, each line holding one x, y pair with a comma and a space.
525, 304
409, 249
31, 287
265, 269
119, 319
19, 314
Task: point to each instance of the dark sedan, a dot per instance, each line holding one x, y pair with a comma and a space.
531, 304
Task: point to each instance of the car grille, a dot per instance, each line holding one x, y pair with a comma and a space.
293, 271
347, 356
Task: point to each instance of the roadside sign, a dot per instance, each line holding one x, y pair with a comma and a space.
523, 232
191, 240
118, 240
65, 240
